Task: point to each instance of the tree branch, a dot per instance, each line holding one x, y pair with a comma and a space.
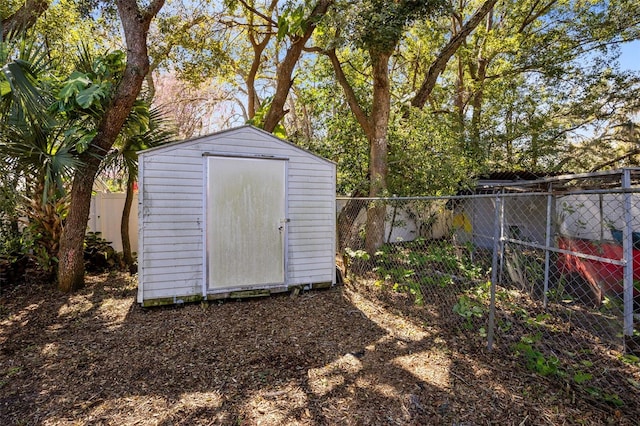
531, 17
24, 18
149, 12
439, 64
352, 99
627, 154
257, 12
285, 69
253, 102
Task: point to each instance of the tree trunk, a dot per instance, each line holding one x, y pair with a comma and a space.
460, 96
375, 127
509, 134
476, 103
45, 213
378, 150
459, 99
253, 100
71, 253
124, 225
135, 23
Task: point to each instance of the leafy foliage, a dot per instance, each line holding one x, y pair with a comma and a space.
410, 267
37, 154
258, 119
99, 255
536, 360
189, 40
379, 24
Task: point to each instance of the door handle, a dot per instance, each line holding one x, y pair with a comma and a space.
282, 222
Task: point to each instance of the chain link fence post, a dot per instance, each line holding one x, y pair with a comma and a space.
497, 253
627, 248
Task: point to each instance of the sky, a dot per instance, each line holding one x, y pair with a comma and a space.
630, 57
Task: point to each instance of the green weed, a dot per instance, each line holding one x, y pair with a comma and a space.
535, 360
469, 309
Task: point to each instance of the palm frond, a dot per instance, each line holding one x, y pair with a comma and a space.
85, 58
123, 159
23, 97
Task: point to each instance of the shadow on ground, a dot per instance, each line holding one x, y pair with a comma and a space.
341, 356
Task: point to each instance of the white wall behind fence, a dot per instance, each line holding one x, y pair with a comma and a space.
105, 216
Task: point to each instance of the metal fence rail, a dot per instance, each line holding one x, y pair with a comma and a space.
550, 273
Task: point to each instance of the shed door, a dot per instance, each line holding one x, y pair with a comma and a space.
245, 222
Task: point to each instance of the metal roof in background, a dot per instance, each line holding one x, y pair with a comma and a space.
527, 181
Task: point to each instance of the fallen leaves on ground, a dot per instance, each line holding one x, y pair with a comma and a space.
352, 355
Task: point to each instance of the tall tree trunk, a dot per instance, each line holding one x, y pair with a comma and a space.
124, 225
478, 97
459, 100
253, 100
135, 23
376, 128
71, 252
460, 96
378, 149
476, 103
509, 127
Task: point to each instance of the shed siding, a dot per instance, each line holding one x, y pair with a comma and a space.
172, 216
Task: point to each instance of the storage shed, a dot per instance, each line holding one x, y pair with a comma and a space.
233, 214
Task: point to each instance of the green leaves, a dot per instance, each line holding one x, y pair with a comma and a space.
92, 95
90, 89
581, 377
76, 82
380, 24
79, 138
111, 65
5, 88
292, 23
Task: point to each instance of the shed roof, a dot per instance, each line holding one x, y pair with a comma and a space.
249, 127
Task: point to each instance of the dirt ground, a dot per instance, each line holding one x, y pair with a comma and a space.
353, 354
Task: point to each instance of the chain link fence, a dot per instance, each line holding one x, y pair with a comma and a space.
548, 268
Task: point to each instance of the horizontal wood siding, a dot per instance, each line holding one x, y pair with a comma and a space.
171, 225
172, 221
312, 227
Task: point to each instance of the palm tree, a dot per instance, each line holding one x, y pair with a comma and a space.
40, 155
45, 130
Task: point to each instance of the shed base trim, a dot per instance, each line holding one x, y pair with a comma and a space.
243, 294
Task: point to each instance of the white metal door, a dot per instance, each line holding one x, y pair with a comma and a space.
245, 222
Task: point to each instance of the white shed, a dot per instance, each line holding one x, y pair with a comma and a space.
233, 214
